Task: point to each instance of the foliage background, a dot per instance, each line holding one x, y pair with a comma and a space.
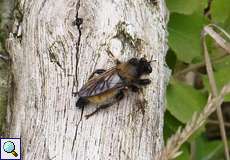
188, 89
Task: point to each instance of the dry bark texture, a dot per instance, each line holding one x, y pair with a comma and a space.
51, 58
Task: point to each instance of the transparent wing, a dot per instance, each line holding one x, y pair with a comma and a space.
99, 84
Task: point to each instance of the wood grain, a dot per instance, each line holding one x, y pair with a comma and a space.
53, 58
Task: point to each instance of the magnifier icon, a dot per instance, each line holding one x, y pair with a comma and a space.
9, 147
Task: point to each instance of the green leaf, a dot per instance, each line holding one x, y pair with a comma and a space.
223, 64
184, 100
226, 25
171, 125
208, 150
185, 153
220, 10
184, 36
182, 6
171, 59
222, 77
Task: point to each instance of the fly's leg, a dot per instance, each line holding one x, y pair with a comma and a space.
135, 86
141, 101
98, 109
118, 97
81, 102
98, 71
142, 82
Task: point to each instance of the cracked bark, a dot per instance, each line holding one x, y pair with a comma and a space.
54, 58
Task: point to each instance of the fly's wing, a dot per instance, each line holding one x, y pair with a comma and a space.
105, 81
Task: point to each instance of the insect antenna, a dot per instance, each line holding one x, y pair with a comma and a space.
152, 60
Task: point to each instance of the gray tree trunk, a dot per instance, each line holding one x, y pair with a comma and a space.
51, 58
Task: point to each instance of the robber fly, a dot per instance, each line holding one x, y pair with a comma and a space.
108, 86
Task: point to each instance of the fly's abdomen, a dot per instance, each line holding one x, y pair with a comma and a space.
104, 97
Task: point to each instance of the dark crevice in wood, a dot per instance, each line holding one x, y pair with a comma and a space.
78, 22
